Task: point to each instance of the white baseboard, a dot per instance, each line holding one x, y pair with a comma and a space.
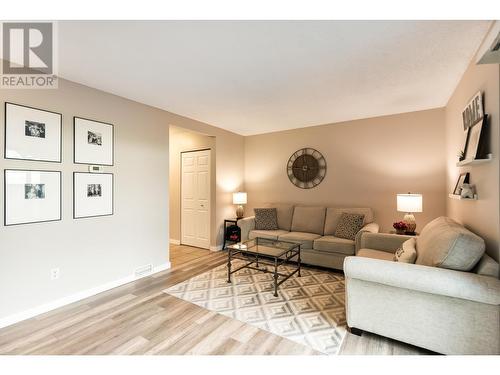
175, 242
216, 248
30, 313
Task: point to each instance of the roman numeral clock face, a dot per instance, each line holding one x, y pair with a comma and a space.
306, 168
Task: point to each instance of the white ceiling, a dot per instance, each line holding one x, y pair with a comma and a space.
253, 77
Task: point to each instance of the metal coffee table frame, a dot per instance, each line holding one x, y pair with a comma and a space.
256, 260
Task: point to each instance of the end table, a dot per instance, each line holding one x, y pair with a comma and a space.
226, 238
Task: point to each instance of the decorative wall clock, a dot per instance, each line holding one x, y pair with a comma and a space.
306, 168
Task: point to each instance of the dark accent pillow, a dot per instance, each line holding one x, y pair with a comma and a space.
349, 225
266, 219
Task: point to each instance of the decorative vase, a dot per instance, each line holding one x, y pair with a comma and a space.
400, 231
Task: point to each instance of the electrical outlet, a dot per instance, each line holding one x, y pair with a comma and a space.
54, 273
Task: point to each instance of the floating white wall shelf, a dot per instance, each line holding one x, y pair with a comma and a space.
454, 196
474, 161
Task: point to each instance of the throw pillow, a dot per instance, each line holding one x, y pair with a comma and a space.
266, 219
407, 252
349, 225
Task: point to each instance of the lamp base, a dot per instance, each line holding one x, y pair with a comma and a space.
410, 222
239, 212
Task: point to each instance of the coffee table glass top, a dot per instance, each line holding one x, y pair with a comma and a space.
265, 246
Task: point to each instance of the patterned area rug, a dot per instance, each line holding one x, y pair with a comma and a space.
308, 310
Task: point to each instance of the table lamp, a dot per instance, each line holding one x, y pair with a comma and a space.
240, 199
409, 203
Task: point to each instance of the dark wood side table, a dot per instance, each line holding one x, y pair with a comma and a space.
404, 234
226, 239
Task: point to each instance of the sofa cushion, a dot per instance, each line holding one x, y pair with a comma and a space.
487, 266
266, 219
375, 254
332, 244
308, 219
349, 225
333, 216
270, 234
407, 253
305, 239
284, 212
446, 244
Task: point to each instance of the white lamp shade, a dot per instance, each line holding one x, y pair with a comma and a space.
409, 202
239, 198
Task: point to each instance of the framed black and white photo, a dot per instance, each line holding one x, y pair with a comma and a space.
92, 194
93, 142
31, 196
32, 134
462, 179
476, 140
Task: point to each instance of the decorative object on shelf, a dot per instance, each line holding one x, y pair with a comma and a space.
306, 168
32, 134
409, 203
93, 142
400, 227
476, 141
31, 196
92, 194
461, 155
467, 191
473, 111
240, 199
462, 179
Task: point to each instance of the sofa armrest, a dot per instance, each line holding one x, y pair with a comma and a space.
433, 280
246, 225
368, 228
381, 241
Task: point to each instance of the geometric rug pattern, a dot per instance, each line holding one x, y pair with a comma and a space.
308, 310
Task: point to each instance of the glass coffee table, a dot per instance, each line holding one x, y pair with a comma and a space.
261, 253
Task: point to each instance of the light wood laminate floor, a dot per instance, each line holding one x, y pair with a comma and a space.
138, 318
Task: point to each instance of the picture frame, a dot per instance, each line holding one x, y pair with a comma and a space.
93, 142
32, 196
93, 194
462, 179
32, 134
473, 111
475, 143
463, 151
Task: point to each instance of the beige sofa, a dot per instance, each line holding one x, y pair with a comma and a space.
313, 228
446, 302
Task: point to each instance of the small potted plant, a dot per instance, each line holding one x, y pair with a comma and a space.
400, 227
461, 155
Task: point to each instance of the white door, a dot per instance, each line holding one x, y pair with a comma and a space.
195, 198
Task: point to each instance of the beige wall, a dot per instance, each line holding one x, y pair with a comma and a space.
95, 251
182, 140
369, 162
481, 216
